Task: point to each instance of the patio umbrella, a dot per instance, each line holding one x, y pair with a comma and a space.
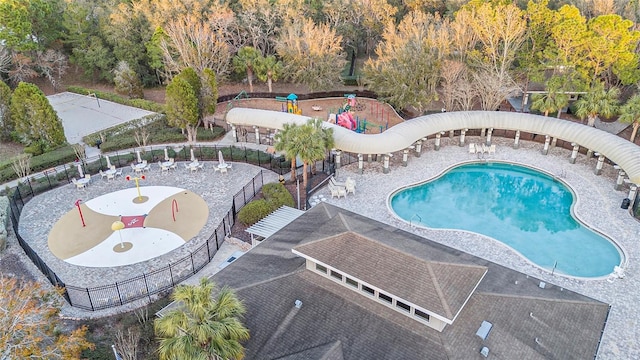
108, 162
166, 154
139, 157
80, 172
193, 157
220, 158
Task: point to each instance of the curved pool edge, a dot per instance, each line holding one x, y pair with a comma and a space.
573, 210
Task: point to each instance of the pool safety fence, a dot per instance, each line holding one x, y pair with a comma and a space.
141, 286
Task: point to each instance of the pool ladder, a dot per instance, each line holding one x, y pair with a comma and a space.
413, 217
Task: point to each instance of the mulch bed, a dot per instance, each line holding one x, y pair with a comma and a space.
238, 229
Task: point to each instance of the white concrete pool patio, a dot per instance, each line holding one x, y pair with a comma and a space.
598, 206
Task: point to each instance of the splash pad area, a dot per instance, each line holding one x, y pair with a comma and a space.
160, 220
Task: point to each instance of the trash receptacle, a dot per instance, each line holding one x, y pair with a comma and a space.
625, 203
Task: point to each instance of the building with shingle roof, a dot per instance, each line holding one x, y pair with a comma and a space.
296, 310
408, 283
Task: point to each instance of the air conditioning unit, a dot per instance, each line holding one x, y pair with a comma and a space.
484, 351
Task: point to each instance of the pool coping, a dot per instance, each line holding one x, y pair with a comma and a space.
574, 214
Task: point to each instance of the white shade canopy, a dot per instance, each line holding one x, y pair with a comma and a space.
622, 152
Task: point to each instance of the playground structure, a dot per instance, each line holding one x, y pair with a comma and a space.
345, 117
292, 104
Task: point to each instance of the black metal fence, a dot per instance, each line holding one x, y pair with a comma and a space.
146, 284
309, 96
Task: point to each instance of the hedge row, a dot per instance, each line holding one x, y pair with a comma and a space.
59, 156
139, 103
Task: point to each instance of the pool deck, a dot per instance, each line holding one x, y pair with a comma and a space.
598, 206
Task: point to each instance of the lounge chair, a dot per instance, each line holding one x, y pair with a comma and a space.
472, 148
350, 186
492, 149
119, 172
103, 175
174, 165
335, 182
337, 191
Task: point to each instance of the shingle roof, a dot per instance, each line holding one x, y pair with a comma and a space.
330, 351
270, 278
434, 286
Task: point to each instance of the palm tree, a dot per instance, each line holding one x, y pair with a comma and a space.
598, 101
630, 113
310, 145
268, 69
553, 100
201, 326
245, 61
309, 141
282, 142
325, 134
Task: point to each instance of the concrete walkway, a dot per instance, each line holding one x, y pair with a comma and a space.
598, 206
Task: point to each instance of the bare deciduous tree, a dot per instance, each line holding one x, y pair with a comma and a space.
52, 64
311, 54
199, 44
141, 135
80, 151
22, 69
259, 20
127, 343
5, 60
465, 93
22, 166
451, 73
491, 90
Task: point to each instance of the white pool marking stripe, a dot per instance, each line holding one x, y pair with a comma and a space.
147, 243
120, 203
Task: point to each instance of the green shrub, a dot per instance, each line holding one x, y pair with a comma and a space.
139, 103
254, 212
277, 195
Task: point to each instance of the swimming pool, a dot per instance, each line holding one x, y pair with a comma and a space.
523, 208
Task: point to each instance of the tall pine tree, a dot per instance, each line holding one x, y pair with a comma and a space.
35, 122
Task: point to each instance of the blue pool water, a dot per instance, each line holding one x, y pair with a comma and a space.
518, 206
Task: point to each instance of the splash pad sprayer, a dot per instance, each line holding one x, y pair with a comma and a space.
136, 179
77, 203
174, 209
118, 226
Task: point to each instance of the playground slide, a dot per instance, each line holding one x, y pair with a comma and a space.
399, 137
